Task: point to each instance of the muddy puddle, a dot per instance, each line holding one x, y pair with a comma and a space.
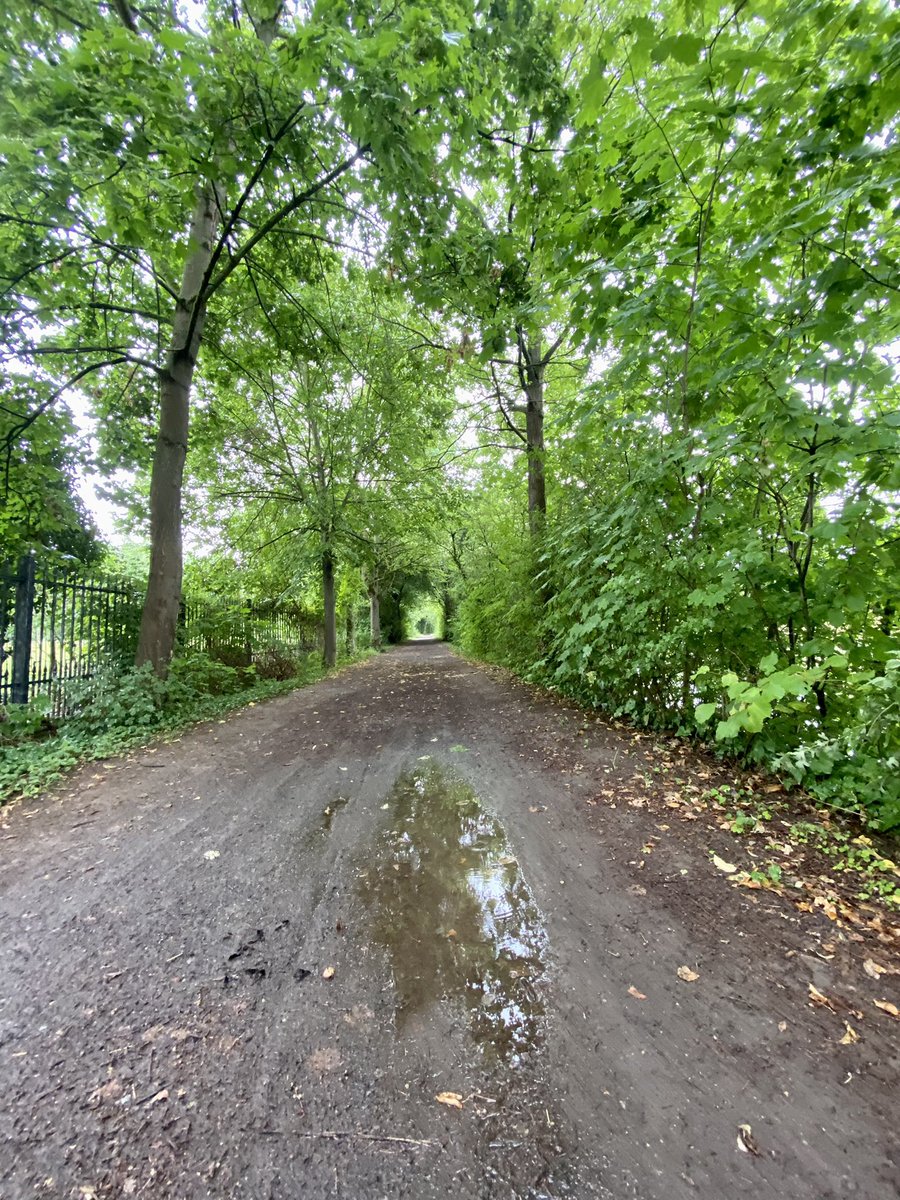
448, 902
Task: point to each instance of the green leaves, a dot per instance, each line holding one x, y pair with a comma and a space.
702, 208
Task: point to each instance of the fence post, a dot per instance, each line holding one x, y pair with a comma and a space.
22, 634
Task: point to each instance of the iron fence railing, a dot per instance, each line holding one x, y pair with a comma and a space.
59, 624
236, 631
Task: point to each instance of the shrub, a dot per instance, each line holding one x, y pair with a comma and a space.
111, 699
198, 673
276, 662
21, 721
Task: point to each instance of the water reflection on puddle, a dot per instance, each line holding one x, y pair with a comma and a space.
448, 902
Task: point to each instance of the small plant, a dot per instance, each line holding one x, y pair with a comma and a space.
21, 721
744, 823
768, 876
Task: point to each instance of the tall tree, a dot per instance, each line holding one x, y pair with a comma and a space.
149, 155
319, 436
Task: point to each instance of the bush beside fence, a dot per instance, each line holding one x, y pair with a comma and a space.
59, 625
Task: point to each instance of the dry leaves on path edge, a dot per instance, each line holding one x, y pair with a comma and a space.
328, 973
817, 997
451, 1099
850, 1036
632, 991
687, 974
886, 1006
727, 867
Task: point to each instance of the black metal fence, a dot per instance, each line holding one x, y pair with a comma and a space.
238, 631
58, 625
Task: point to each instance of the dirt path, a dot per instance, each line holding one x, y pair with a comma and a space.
426, 830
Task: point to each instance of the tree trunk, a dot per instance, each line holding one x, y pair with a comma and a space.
351, 630
159, 619
330, 655
375, 618
533, 382
448, 607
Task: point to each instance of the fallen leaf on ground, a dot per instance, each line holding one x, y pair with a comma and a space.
818, 997
850, 1036
687, 974
782, 1025
873, 969
160, 1096
451, 1099
746, 1140
727, 867
328, 973
827, 906
632, 991
886, 1006
211, 854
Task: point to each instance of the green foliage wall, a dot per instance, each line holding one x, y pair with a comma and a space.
721, 552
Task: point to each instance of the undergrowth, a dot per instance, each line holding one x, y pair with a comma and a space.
788, 842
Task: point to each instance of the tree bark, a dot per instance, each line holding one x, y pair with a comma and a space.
375, 618
330, 655
448, 609
159, 619
532, 371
